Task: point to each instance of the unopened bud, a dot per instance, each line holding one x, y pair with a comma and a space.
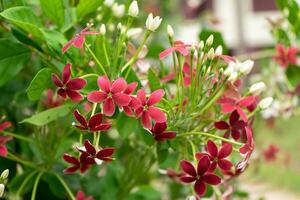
219, 50
4, 174
102, 29
246, 67
170, 30
265, 103
2, 187
210, 40
133, 9
211, 53
257, 88
201, 45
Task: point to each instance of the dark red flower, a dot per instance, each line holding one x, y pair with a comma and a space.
201, 176
78, 40
128, 109
110, 94
229, 105
234, 127
285, 56
217, 157
81, 196
146, 110
178, 46
3, 149
83, 163
160, 134
95, 123
69, 87
52, 101
246, 151
270, 154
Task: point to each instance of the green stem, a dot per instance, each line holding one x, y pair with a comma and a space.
105, 51
24, 162
212, 136
89, 75
18, 136
96, 59
25, 182
68, 190
36, 183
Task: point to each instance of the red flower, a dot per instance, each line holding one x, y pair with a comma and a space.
285, 56
103, 154
78, 40
217, 157
178, 46
4, 125
51, 101
234, 127
83, 163
145, 109
201, 176
95, 122
229, 105
128, 109
81, 196
159, 133
270, 154
110, 94
3, 149
68, 87
246, 150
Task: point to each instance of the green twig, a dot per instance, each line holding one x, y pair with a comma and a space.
36, 183
65, 185
96, 59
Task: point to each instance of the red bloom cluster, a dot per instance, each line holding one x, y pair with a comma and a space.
4, 139
68, 87
89, 155
285, 56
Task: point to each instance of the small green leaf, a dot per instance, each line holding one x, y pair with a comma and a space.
39, 83
293, 74
126, 125
54, 10
43, 118
86, 7
154, 81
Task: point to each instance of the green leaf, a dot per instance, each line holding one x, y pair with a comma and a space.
126, 125
145, 192
24, 18
39, 83
154, 81
13, 57
43, 118
293, 75
54, 10
86, 7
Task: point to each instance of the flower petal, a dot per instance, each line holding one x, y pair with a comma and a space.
66, 74
106, 152
95, 120
62, 92
166, 52
165, 136
70, 159
234, 117
200, 187
89, 148
76, 84
157, 115
108, 107
71, 170
212, 148
4, 126
203, 165
102, 127
67, 46
80, 118
78, 41
74, 95
3, 151
141, 96
159, 128
96, 96
187, 179
211, 179
155, 97
225, 164
121, 99
130, 88
188, 168
225, 151
56, 80
221, 125
104, 83
247, 101
146, 120
118, 85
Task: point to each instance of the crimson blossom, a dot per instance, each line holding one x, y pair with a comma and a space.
95, 123
145, 109
78, 40
83, 163
110, 93
201, 176
217, 157
160, 134
285, 56
69, 87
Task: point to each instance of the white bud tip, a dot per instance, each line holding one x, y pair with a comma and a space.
133, 9
109, 3
246, 67
219, 50
2, 187
211, 53
201, 44
102, 29
118, 10
170, 30
265, 103
153, 23
210, 40
257, 88
4, 174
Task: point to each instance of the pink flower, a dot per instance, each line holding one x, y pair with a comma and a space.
160, 134
128, 109
52, 101
83, 163
3, 149
178, 46
200, 176
69, 87
229, 105
146, 110
286, 56
81, 196
95, 122
4, 125
110, 94
78, 40
270, 154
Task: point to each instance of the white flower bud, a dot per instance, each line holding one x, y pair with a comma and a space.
229, 70
257, 88
133, 9
153, 23
246, 67
210, 40
4, 174
219, 50
119, 26
108, 3
265, 103
134, 32
118, 10
2, 187
201, 45
233, 76
170, 30
211, 53
102, 29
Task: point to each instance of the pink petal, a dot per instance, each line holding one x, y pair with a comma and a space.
56, 80
242, 114
155, 97
80, 118
80, 196
211, 179
130, 88
200, 187
76, 84
66, 74
104, 84
166, 52
141, 95
89, 147
225, 164
157, 115
118, 85
225, 151
96, 96
221, 125
95, 120
227, 108
3, 151
212, 148
67, 46
74, 95
78, 42
146, 120
4, 126
121, 99
203, 165
247, 101
188, 168
159, 127
109, 107
182, 50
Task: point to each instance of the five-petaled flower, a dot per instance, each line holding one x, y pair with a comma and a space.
83, 163
217, 157
160, 134
78, 40
235, 126
200, 176
69, 87
110, 94
285, 56
95, 123
146, 110
229, 105
81, 196
178, 46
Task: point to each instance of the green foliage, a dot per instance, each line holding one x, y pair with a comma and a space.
54, 10
293, 75
154, 81
126, 125
86, 7
145, 192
